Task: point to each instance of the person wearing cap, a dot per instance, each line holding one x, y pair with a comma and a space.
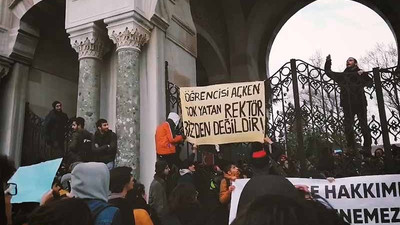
352, 99
259, 159
158, 189
55, 127
167, 138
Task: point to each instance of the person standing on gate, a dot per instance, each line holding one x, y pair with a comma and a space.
352, 99
166, 139
55, 127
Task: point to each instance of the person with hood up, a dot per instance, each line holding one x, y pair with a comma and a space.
158, 189
166, 138
90, 182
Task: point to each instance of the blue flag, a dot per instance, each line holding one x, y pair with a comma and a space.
34, 181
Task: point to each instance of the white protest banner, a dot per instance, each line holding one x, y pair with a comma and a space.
224, 113
359, 200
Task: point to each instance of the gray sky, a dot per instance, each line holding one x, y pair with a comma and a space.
341, 28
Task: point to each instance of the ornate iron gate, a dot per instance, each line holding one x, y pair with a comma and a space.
303, 101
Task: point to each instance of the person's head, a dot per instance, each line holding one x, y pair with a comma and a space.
102, 125
174, 117
379, 152
256, 188
162, 168
351, 62
188, 164
121, 180
69, 211
182, 196
78, 123
138, 191
57, 106
274, 210
90, 181
259, 156
231, 169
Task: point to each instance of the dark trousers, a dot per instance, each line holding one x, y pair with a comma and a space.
361, 112
171, 159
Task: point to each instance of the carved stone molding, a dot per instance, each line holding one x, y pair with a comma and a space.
5, 66
89, 40
93, 48
129, 39
129, 30
4, 70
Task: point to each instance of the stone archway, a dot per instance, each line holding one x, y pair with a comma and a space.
262, 35
51, 72
210, 61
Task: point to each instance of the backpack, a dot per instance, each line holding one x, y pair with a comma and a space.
103, 213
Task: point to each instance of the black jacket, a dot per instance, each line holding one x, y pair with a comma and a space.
80, 146
55, 126
191, 214
158, 196
104, 147
351, 85
125, 209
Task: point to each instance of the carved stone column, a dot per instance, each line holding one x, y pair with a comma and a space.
129, 35
89, 43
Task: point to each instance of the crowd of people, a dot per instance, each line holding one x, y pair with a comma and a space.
92, 190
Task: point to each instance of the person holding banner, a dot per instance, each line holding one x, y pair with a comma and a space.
7, 169
167, 138
231, 173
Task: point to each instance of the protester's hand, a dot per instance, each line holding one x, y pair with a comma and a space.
303, 188
360, 72
330, 179
184, 137
194, 148
231, 188
328, 58
268, 140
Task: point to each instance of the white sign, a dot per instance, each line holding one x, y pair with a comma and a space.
359, 200
224, 113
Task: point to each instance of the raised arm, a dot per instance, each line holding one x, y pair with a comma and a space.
328, 71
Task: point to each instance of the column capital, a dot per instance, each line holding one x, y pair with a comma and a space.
89, 41
129, 30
